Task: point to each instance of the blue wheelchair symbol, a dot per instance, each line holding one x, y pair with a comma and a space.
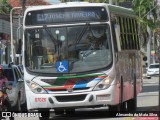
62, 66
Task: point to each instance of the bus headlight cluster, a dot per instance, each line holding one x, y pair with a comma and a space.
104, 84
35, 87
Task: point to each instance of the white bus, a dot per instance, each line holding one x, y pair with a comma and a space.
79, 55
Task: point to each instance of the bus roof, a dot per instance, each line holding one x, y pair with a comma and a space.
113, 8
121, 10
63, 5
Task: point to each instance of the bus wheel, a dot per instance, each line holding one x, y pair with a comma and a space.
45, 113
123, 107
122, 104
59, 111
114, 108
24, 107
70, 111
132, 103
17, 107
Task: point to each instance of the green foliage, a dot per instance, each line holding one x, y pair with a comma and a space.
5, 7
105, 1
144, 9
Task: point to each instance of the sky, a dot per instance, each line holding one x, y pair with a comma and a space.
53, 1
158, 2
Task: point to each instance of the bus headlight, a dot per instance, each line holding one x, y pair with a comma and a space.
104, 84
35, 87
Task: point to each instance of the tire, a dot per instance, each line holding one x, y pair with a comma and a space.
59, 111
148, 77
24, 107
118, 108
123, 107
70, 111
11, 118
115, 108
17, 107
132, 103
45, 114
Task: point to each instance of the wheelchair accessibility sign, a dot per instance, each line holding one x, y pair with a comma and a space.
62, 66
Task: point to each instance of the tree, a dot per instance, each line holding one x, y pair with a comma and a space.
17, 3
5, 7
146, 16
106, 1
146, 11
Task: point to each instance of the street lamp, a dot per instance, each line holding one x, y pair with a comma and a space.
23, 6
58, 47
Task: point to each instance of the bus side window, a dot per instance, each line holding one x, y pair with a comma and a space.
122, 33
133, 34
125, 39
114, 35
137, 40
129, 34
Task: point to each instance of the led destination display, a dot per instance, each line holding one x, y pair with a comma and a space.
58, 15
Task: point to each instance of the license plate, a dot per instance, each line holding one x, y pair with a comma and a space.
102, 97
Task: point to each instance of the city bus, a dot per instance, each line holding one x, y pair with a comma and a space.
81, 55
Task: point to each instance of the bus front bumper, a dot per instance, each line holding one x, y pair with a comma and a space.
74, 100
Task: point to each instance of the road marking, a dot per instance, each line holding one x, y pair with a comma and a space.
150, 82
144, 93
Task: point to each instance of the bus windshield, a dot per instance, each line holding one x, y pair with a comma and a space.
68, 49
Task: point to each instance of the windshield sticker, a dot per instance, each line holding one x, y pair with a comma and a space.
62, 66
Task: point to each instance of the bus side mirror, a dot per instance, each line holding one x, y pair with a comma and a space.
117, 31
144, 58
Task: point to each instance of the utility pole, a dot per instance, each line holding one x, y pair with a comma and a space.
110, 2
150, 34
159, 67
23, 6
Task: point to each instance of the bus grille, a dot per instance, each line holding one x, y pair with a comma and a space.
66, 90
70, 98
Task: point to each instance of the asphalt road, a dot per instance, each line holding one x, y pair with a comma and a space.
147, 100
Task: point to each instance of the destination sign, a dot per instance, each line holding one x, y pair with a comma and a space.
60, 15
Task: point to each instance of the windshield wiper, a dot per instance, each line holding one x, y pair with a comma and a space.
71, 65
82, 33
50, 34
55, 41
